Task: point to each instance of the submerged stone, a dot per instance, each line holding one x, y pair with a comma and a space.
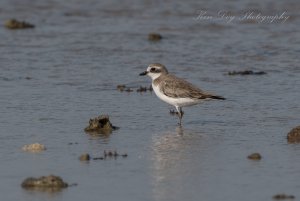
50, 181
254, 156
100, 125
154, 37
15, 24
294, 135
283, 197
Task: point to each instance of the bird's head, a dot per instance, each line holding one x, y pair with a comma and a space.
155, 70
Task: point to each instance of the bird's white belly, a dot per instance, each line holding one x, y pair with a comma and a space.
180, 102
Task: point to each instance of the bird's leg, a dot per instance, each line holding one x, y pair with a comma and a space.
180, 113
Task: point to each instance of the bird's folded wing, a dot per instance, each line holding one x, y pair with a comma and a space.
175, 87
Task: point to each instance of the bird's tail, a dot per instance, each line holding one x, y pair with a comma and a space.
217, 97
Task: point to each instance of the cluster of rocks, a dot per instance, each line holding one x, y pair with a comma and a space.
292, 137
100, 124
107, 154
246, 72
15, 24
124, 88
283, 197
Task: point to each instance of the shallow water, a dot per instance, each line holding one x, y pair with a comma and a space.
55, 77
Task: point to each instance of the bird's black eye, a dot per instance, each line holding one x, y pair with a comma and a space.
152, 70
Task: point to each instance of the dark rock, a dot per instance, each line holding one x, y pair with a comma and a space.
254, 156
85, 157
100, 125
15, 24
283, 197
154, 37
247, 72
294, 135
50, 181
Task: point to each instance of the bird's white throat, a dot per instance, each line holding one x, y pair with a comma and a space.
154, 75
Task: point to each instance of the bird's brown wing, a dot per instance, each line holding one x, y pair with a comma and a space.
175, 87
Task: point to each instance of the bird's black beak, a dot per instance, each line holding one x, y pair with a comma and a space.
143, 73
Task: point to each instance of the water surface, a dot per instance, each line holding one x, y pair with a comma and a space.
55, 77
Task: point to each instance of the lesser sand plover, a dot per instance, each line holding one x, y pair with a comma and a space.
174, 90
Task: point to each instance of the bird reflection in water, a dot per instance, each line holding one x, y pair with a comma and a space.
173, 155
